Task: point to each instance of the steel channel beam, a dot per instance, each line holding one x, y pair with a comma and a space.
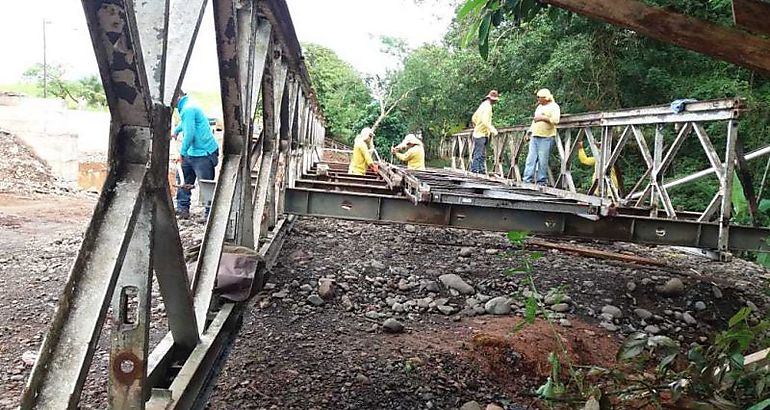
449, 198
711, 110
184, 20
622, 228
131, 316
60, 371
171, 272
213, 239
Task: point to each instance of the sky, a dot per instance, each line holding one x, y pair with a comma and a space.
349, 27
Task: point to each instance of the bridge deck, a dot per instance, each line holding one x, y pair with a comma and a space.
459, 199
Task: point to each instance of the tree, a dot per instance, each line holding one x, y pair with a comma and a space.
341, 91
54, 80
86, 90
391, 129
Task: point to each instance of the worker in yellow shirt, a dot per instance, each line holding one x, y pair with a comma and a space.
361, 159
541, 133
415, 152
483, 130
591, 161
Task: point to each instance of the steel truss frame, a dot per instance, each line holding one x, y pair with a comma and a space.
619, 129
143, 49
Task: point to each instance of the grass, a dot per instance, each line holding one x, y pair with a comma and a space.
23, 88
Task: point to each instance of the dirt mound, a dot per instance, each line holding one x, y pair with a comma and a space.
21, 171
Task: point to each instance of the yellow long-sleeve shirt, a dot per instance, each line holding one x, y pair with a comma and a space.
546, 128
482, 121
361, 158
414, 157
591, 161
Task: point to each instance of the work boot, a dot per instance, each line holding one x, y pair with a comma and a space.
182, 214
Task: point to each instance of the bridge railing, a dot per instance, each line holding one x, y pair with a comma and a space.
143, 49
610, 135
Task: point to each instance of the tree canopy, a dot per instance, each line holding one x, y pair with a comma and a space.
341, 91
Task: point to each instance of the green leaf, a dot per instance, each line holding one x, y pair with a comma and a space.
546, 390
761, 405
470, 5
535, 255
632, 346
740, 316
517, 237
471, 34
740, 203
667, 360
530, 310
484, 35
764, 205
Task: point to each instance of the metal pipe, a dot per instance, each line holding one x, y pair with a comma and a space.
700, 174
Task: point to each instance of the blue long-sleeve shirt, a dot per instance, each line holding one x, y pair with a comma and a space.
197, 139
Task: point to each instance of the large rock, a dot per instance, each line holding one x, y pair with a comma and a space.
453, 281
392, 326
560, 307
689, 319
674, 287
500, 305
430, 286
643, 314
326, 288
315, 300
466, 251
471, 405
612, 311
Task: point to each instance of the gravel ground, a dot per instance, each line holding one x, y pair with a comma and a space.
328, 331
361, 315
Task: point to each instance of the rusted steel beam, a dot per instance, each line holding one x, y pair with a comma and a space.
725, 43
593, 253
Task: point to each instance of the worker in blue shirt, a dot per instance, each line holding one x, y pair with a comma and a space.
199, 153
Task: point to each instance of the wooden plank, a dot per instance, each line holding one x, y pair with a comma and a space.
752, 15
594, 253
725, 43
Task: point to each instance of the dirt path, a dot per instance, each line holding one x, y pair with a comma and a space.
39, 237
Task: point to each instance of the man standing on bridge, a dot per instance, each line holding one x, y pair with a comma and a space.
542, 131
482, 131
199, 153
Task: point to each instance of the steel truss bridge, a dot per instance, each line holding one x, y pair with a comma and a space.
272, 170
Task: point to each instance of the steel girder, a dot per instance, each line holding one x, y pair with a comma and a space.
539, 218
143, 49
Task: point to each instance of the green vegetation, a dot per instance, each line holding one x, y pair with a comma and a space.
341, 91
519, 46
84, 92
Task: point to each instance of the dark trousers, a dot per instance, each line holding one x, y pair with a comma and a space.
478, 164
194, 168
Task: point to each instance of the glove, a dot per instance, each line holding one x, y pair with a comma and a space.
375, 168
